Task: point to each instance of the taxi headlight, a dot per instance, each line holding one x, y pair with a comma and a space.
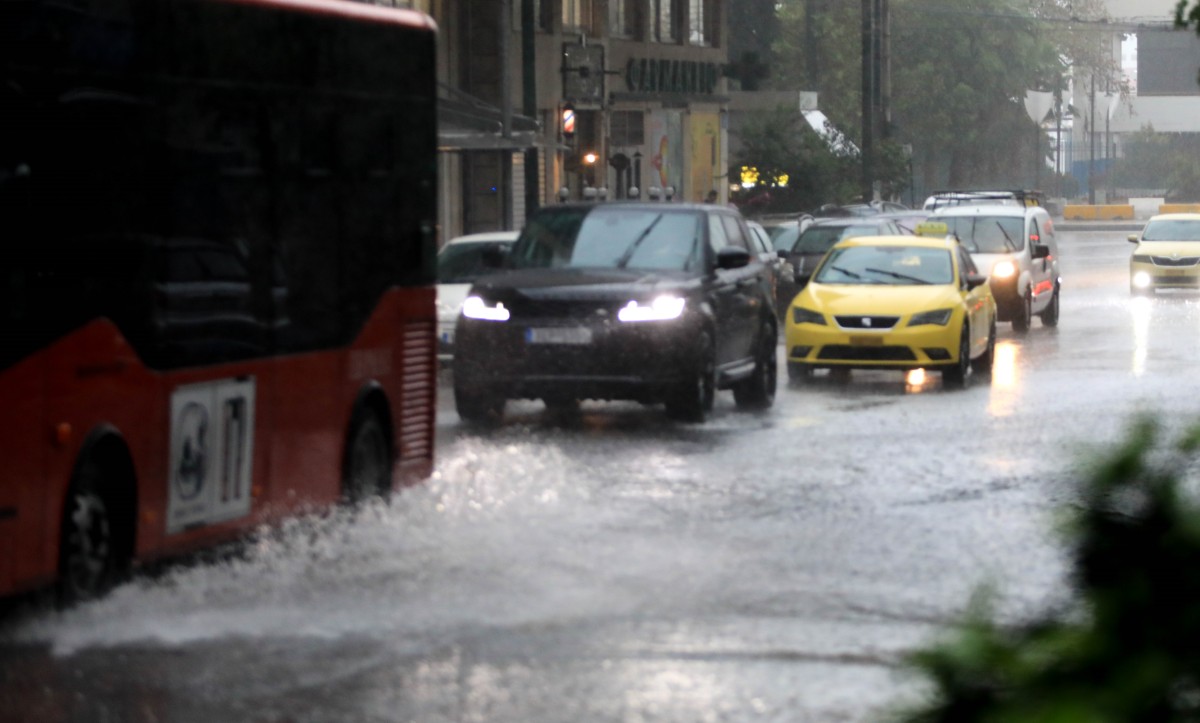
1141, 280
938, 317
1004, 269
801, 315
476, 308
664, 308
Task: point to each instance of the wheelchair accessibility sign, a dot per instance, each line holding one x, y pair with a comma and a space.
212, 449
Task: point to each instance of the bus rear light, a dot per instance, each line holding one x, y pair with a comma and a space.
62, 433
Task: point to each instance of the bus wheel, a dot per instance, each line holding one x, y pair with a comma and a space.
88, 557
368, 467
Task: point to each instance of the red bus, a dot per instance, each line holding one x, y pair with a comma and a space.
217, 276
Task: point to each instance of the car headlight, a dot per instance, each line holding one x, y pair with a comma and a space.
801, 315
476, 308
1004, 269
938, 317
1142, 280
664, 308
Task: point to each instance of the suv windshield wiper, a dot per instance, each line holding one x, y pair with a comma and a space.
896, 275
629, 252
1008, 241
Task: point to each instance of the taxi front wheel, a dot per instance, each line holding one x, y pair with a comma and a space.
955, 377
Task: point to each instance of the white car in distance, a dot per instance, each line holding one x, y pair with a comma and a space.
459, 263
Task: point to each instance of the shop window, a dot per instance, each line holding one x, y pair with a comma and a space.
627, 128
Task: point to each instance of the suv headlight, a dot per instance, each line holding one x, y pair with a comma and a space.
939, 317
664, 308
804, 316
476, 308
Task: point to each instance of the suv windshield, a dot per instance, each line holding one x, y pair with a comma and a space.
987, 234
819, 239
887, 265
1174, 230
615, 238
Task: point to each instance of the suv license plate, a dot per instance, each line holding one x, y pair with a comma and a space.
576, 335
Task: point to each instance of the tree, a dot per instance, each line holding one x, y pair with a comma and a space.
1167, 161
959, 74
1187, 18
1129, 648
797, 169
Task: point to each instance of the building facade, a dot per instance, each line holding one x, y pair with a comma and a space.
570, 99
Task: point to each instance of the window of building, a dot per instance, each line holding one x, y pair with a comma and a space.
665, 28
702, 15
577, 15
543, 15
627, 128
622, 18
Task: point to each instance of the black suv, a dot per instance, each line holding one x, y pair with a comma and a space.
655, 302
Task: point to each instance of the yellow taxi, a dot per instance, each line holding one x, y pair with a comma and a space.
894, 302
1167, 254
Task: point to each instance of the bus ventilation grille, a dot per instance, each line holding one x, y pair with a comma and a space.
417, 401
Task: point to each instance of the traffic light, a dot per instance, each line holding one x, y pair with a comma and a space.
568, 122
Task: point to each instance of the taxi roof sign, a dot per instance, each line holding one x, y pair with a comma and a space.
936, 229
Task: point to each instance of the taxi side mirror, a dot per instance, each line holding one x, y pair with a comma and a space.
974, 281
1133, 238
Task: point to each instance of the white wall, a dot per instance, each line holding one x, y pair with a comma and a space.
1141, 9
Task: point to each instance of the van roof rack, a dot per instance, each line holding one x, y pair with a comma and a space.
1025, 196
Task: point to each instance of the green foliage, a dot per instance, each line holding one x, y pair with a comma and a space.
1130, 651
960, 71
1169, 161
781, 145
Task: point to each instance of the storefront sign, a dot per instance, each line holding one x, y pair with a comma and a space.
649, 75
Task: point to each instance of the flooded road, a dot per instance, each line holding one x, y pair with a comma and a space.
772, 566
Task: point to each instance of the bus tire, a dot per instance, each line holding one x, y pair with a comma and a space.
367, 470
92, 558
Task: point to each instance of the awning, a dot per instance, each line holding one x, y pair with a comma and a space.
835, 139
466, 123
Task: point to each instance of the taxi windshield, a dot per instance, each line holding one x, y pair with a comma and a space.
1173, 230
886, 265
987, 234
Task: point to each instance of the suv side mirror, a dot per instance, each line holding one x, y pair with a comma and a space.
733, 257
1040, 251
